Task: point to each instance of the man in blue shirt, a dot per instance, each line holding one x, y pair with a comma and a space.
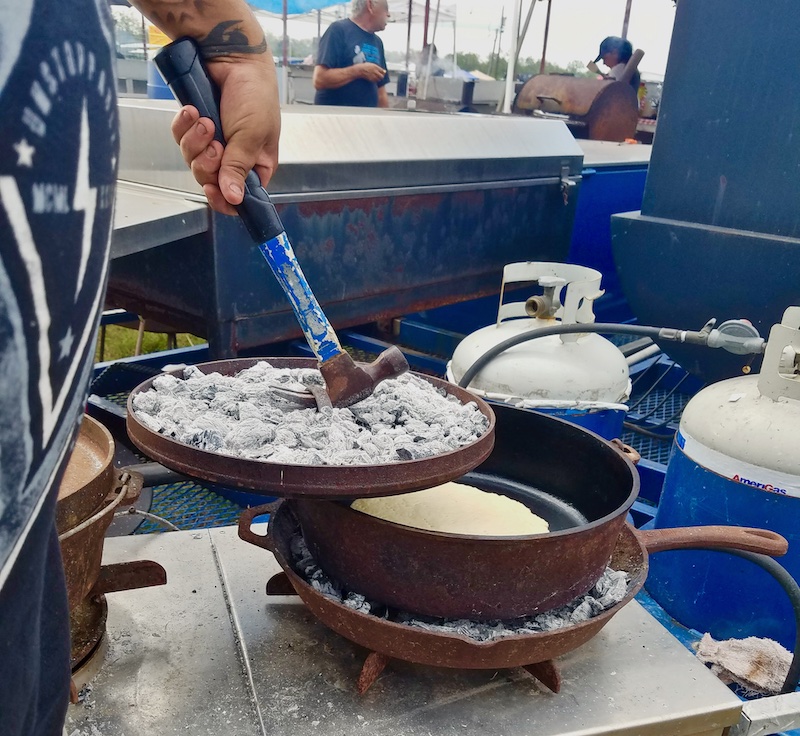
351, 65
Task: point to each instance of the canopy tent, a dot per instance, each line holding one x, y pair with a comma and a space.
401, 11
291, 7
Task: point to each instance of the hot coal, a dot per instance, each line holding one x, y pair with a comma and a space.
406, 418
609, 590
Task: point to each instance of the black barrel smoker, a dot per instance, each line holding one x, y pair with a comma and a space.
597, 109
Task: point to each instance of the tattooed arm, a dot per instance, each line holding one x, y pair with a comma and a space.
235, 49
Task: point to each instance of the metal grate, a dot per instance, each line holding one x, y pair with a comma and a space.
189, 505
650, 448
661, 406
120, 398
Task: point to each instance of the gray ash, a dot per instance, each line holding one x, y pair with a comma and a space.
609, 590
406, 418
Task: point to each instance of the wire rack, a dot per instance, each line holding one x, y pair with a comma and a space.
660, 393
189, 505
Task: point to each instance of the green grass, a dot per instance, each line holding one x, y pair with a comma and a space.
120, 342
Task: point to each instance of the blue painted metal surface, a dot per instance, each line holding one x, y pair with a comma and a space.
708, 229
603, 192
368, 259
606, 422
195, 354
427, 338
724, 595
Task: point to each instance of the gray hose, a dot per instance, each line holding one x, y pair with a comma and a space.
559, 329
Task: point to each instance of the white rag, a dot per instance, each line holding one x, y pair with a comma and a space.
758, 665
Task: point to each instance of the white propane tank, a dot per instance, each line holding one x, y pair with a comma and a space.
584, 371
746, 428
735, 461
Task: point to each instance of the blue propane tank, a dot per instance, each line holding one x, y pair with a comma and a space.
736, 460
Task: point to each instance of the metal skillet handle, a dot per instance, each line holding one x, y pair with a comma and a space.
183, 71
761, 541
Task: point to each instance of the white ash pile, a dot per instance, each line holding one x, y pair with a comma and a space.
406, 418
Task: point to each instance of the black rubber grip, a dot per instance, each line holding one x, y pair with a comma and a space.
183, 70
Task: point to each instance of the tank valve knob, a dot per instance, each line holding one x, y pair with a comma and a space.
546, 305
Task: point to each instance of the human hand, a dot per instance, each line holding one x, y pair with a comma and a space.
371, 72
250, 115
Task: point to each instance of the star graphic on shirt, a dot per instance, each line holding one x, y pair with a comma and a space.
65, 343
25, 153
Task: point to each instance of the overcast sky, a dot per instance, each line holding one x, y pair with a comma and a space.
576, 29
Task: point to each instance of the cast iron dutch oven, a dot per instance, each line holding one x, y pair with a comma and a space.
457, 650
581, 484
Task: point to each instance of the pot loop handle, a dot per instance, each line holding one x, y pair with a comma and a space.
629, 452
128, 483
246, 521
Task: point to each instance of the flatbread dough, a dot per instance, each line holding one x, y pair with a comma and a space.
456, 508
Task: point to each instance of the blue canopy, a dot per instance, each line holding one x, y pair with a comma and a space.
293, 7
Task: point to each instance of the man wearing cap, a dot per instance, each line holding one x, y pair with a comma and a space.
615, 52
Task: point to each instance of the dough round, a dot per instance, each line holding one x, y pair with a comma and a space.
456, 508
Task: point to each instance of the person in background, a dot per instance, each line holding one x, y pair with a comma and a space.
59, 148
615, 52
351, 65
429, 56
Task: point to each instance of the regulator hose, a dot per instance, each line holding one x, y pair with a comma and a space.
730, 341
558, 329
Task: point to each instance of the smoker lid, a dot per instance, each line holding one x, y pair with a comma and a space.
331, 149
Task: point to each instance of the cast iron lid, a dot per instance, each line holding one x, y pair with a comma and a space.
309, 481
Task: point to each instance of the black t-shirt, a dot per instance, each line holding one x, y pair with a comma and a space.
58, 159
343, 45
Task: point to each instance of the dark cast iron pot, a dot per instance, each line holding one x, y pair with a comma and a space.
581, 484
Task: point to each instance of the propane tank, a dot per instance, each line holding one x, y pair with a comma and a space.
581, 377
735, 461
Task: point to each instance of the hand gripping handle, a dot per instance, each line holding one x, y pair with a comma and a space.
184, 72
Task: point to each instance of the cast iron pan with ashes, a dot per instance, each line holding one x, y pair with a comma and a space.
309, 481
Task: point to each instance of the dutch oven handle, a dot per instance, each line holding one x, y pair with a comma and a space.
126, 490
627, 451
761, 541
246, 521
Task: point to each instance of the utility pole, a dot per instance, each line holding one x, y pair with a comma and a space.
546, 33
494, 47
408, 33
627, 19
500, 41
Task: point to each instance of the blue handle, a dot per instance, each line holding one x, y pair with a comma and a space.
318, 331
184, 72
